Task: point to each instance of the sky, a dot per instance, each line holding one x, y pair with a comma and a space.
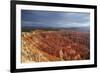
35, 18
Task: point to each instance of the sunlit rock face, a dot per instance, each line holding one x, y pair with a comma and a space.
60, 45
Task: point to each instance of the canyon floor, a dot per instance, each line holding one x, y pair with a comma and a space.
60, 45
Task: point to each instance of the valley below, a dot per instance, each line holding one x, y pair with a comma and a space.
54, 45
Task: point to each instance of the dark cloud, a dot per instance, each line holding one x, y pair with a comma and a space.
54, 19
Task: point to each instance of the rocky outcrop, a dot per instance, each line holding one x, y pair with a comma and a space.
43, 46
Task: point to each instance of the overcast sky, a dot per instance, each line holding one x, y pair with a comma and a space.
36, 18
